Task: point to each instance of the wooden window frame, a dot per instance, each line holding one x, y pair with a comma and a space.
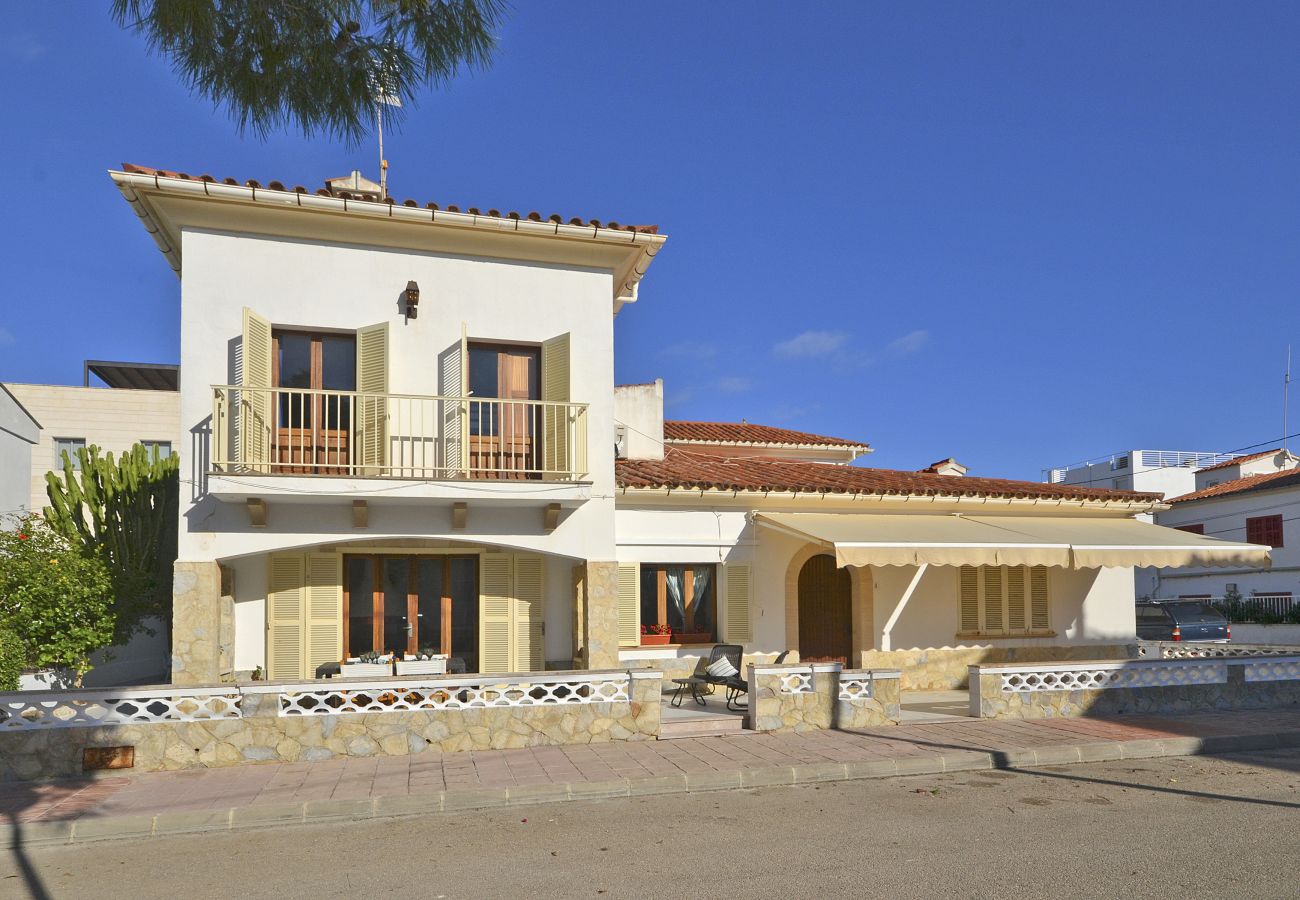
980, 596
688, 592
1262, 529
412, 598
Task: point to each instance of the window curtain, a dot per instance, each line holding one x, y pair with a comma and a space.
674, 579
703, 613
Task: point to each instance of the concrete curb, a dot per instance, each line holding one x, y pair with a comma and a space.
316, 812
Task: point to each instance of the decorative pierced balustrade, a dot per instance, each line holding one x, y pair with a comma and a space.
1101, 676
40, 710
477, 692
857, 687
295, 431
798, 681
1192, 650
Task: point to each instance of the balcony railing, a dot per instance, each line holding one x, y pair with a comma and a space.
294, 431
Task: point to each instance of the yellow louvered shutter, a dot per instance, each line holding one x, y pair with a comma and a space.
453, 384
968, 580
324, 611
284, 615
529, 613
1015, 599
1039, 601
993, 599
556, 439
629, 604
372, 413
254, 419
740, 626
494, 614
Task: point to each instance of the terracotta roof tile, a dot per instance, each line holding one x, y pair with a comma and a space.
1266, 481
681, 468
349, 195
745, 433
1239, 460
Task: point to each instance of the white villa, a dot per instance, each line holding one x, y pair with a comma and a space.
401, 433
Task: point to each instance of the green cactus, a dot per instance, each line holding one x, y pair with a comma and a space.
126, 511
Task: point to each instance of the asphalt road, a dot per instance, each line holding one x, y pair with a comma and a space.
1189, 827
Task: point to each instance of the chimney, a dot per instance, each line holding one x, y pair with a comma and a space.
357, 185
947, 466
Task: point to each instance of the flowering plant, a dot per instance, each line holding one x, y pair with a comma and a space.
55, 595
656, 629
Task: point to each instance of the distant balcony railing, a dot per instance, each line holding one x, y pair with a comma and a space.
294, 431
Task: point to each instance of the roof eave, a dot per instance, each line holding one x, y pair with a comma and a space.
627, 278
1133, 506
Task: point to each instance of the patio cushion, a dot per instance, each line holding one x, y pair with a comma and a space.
722, 668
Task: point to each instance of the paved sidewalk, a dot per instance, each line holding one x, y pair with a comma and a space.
266, 794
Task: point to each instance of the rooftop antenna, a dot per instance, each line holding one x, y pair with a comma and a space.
1286, 391
385, 97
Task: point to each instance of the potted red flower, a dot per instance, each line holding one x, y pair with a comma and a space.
656, 635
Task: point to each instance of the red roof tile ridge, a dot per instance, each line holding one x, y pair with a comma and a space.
749, 433
1241, 485
681, 468
1238, 460
554, 218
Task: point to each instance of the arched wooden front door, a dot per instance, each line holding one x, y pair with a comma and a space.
825, 611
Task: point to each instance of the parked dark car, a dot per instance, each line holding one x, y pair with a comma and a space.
1181, 620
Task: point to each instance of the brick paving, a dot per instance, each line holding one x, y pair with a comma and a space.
268, 784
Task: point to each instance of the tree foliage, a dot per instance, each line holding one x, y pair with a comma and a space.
321, 65
54, 595
123, 510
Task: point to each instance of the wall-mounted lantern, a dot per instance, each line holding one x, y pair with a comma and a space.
412, 300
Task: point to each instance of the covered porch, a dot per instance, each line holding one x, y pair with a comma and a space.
379, 608
933, 594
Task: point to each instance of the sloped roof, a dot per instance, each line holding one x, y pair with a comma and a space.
746, 433
1236, 461
682, 468
1266, 481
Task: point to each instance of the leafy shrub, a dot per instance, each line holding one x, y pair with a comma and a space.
55, 596
11, 659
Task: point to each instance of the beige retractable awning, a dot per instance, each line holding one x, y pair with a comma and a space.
874, 539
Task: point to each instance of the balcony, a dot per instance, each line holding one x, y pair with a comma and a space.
357, 435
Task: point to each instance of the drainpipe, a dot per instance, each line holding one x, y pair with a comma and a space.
898, 610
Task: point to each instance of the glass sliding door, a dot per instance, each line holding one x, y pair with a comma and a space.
412, 604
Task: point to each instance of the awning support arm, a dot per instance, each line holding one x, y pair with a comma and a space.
902, 602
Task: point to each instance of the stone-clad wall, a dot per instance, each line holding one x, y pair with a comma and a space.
778, 703
945, 668
1215, 684
261, 734
884, 706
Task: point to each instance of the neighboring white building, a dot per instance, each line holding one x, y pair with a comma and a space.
403, 433
19, 432
1255, 498
1165, 472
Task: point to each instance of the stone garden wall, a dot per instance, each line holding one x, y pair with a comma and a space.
1155, 686
946, 668
167, 728
821, 696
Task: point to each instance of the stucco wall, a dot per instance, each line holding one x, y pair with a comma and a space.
111, 418
311, 284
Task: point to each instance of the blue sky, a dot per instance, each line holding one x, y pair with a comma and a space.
1016, 233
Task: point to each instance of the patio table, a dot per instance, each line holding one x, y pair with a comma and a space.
694, 683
